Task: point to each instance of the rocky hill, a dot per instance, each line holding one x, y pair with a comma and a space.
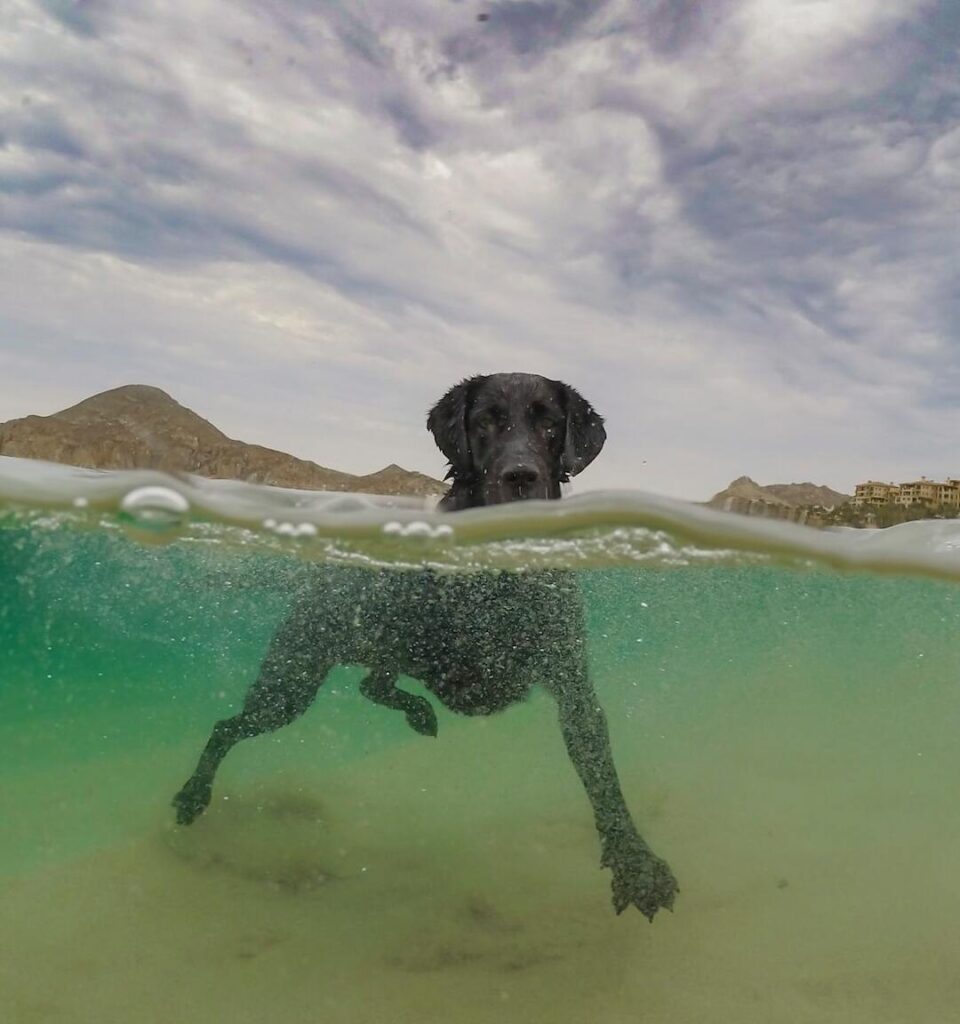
142, 427
745, 495
807, 494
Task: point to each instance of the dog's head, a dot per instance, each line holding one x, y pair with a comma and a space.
511, 436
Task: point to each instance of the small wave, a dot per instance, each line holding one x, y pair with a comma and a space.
603, 528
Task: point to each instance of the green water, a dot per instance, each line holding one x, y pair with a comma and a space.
786, 736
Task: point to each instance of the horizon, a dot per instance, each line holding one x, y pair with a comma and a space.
732, 227
394, 465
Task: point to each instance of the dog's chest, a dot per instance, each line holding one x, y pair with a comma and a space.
479, 641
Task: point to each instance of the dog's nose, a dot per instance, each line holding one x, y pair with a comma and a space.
521, 475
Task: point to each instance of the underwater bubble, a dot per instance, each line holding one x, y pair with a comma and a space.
154, 508
286, 529
418, 530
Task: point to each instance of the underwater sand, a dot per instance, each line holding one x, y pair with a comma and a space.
457, 880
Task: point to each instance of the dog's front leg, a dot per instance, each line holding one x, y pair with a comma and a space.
639, 876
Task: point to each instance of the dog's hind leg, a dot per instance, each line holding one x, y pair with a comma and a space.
289, 678
380, 688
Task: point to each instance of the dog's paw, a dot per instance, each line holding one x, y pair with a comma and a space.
192, 801
640, 878
422, 718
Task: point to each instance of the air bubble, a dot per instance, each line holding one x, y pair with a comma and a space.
155, 508
284, 529
418, 530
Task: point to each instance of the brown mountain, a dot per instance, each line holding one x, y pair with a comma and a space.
808, 494
743, 492
142, 427
393, 479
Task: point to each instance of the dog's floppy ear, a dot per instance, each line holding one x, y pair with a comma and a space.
447, 422
585, 433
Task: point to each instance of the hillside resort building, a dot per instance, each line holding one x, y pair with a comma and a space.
930, 493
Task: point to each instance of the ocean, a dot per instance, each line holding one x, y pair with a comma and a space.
783, 704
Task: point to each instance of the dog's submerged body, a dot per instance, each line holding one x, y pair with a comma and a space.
478, 641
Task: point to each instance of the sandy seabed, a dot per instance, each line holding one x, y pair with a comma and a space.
457, 880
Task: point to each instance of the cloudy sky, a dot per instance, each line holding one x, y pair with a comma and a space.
732, 224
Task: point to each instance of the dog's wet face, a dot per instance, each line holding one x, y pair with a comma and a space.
513, 436
516, 426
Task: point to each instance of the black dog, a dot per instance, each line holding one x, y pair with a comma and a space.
477, 641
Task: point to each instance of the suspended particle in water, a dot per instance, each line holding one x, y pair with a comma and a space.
154, 509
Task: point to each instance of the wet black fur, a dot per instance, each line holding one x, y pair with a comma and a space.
477, 641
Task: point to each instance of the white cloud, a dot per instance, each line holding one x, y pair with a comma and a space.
732, 226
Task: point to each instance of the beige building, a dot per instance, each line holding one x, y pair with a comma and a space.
931, 493
875, 493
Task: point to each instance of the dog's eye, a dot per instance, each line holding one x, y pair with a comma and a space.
486, 422
548, 426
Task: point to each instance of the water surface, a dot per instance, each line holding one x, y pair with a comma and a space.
784, 708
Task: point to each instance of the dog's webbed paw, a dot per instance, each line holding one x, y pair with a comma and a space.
640, 878
192, 801
422, 718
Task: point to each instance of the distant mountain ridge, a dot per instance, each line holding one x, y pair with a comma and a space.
137, 426
742, 491
807, 494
